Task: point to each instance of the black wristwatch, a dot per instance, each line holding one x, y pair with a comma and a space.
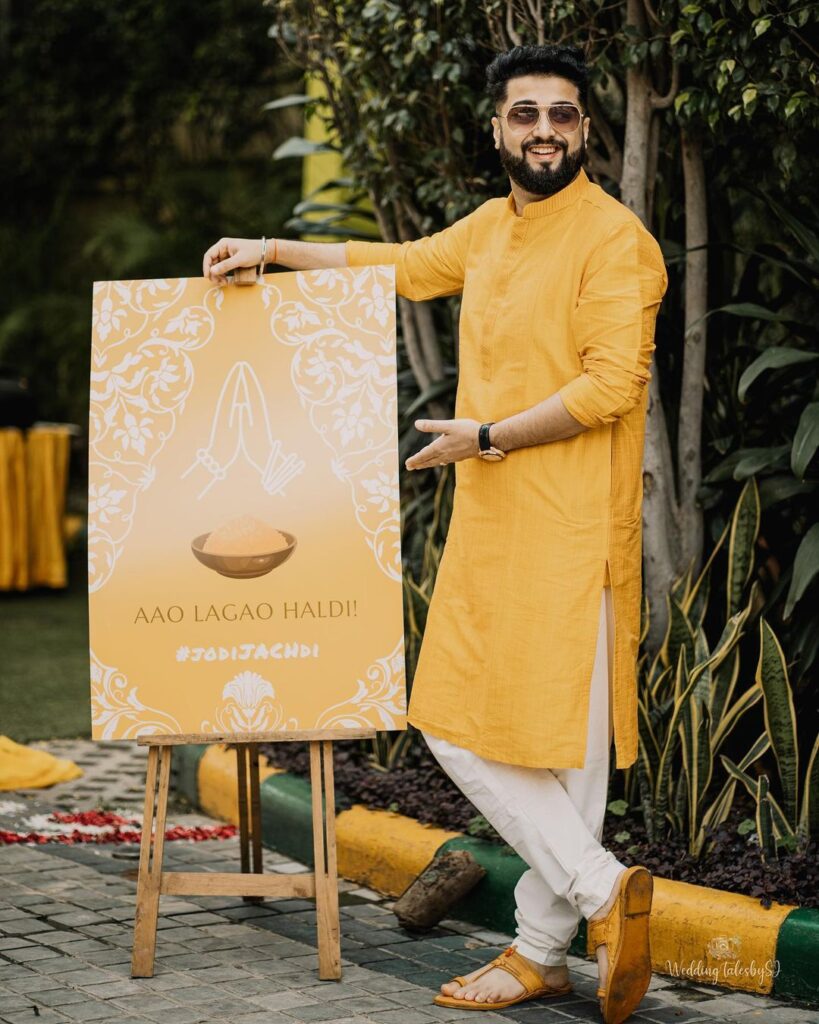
486, 450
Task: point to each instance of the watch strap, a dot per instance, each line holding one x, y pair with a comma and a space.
484, 444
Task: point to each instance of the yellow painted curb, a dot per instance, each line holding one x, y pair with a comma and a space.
715, 937
383, 850
216, 780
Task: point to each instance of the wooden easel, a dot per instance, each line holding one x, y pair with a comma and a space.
249, 883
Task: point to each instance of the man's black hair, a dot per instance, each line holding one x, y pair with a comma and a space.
564, 61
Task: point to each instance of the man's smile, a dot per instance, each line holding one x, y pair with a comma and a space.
546, 152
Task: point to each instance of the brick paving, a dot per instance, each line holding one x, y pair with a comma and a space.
66, 919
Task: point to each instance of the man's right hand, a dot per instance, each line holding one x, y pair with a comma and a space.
229, 254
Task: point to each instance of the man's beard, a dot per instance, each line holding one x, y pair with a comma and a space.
542, 181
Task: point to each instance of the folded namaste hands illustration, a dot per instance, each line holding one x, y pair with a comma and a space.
241, 425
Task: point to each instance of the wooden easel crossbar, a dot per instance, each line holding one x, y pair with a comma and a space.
250, 883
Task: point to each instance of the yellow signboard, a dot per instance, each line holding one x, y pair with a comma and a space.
243, 521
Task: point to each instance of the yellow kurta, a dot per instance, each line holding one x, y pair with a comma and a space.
563, 298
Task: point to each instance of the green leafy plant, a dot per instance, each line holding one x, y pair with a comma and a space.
690, 705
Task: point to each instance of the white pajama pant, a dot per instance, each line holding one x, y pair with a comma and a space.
553, 818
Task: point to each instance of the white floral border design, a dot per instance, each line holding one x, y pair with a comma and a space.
379, 699
117, 710
343, 333
249, 704
141, 376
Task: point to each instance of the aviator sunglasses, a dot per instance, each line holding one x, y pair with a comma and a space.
565, 117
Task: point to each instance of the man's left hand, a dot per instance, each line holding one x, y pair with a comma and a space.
458, 441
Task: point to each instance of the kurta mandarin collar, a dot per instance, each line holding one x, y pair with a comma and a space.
551, 204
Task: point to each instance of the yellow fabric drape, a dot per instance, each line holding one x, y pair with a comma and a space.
23, 767
13, 511
33, 481
47, 459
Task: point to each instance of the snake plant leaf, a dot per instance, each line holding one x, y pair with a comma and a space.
805, 440
724, 681
732, 631
697, 607
780, 716
764, 824
702, 691
805, 568
780, 822
661, 685
809, 817
663, 786
740, 706
720, 808
645, 782
695, 598
713, 817
744, 530
725, 677
678, 633
648, 735
702, 760
774, 358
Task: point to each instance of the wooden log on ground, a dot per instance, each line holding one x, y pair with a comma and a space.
438, 888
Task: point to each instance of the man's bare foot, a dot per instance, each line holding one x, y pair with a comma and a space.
601, 952
498, 985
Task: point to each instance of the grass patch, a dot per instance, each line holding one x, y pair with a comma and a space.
44, 678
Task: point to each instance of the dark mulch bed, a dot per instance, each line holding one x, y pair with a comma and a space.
420, 789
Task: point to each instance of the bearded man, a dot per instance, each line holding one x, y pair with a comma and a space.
528, 665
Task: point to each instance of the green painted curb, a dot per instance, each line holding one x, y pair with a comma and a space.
185, 765
287, 816
797, 952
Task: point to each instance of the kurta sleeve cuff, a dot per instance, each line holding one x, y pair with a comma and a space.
582, 400
613, 326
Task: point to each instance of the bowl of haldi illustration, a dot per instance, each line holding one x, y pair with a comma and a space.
243, 548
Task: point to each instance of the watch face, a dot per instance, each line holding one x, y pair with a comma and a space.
491, 456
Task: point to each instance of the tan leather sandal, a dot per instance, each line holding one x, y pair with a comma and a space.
625, 932
509, 960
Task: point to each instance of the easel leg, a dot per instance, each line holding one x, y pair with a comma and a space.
321, 780
255, 816
150, 862
241, 781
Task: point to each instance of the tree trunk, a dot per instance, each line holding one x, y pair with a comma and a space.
659, 506
689, 448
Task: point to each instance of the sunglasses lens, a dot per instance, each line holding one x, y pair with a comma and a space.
522, 117
567, 118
